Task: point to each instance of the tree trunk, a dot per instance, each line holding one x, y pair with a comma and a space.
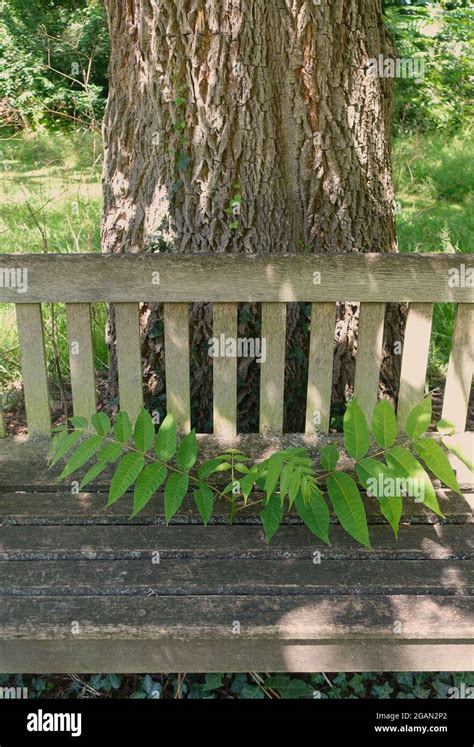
248, 126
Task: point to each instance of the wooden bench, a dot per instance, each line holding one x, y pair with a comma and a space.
81, 589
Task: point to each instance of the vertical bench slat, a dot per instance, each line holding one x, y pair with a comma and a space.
34, 370
178, 388
272, 371
224, 372
3, 428
81, 359
320, 365
369, 356
129, 360
415, 359
460, 369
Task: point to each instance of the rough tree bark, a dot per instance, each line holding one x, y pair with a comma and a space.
266, 105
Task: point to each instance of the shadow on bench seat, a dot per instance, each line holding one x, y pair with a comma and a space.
84, 589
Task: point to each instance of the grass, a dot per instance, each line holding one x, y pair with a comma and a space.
434, 182
50, 200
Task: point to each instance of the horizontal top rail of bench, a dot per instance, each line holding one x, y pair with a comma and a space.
237, 278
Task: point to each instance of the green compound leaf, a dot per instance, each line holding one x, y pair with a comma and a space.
101, 423
204, 499
348, 506
384, 424
187, 452
370, 470
418, 484
356, 431
271, 516
212, 465
294, 486
123, 427
273, 466
62, 444
83, 454
175, 489
455, 448
419, 419
92, 473
148, 482
445, 427
110, 452
247, 483
79, 422
315, 513
329, 457
166, 439
125, 475
144, 432
436, 460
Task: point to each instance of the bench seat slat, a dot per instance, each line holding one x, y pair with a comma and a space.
81, 359
416, 542
228, 577
34, 370
266, 616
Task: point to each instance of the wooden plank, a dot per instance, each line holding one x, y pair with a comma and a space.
23, 462
369, 356
266, 617
461, 367
228, 577
423, 542
62, 508
381, 278
34, 370
178, 386
81, 359
129, 359
3, 427
320, 365
272, 370
229, 655
224, 372
416, 349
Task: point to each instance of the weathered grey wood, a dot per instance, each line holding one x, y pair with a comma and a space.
62, 508
272, 370
230, 655
178, 396
369, 356
423, 542
416, 348
129, 358
224, 372
264, 617
320, 365
33, 366
23, 462
238, 278
228, 577
3, 427
81, 359
461, 367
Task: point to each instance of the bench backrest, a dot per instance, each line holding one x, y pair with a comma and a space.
225, 281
